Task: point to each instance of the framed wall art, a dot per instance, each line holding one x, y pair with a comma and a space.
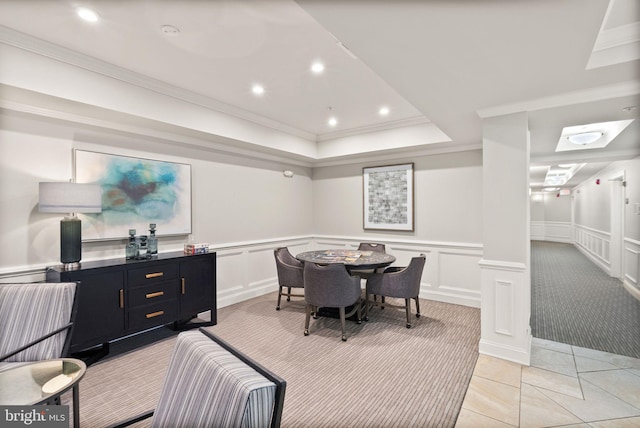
388, 197
135, 192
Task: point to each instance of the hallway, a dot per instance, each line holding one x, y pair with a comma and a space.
574, 302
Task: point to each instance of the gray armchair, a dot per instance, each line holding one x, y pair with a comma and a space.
290, 274
36, 321
331, 286
399, 282
369, 246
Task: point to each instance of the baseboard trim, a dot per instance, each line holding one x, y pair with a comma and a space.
631, 289
509, 353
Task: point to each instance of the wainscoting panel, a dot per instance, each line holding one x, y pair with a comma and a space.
459, 275
631, 259
554, 231
248, 269
504, 321
594, 244
506, 291
451, 273
537, 231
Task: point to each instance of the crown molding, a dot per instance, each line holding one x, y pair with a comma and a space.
618, 36
568, 98
384, 157
50, 50
419, 120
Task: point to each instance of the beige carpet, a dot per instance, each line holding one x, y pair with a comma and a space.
385, 375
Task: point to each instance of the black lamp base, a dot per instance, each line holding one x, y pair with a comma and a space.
70, 242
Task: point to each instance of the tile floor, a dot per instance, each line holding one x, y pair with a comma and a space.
564, 386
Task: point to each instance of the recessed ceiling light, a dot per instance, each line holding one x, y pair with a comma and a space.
257, 89
584, 138
567, 165
317, 67
550, 189
383, 111
333, 121
87, 14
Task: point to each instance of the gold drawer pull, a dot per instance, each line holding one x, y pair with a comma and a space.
156, 294
155, 314
121, 298
154, 275
183, 290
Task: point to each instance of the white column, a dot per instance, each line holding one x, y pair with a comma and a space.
505, 273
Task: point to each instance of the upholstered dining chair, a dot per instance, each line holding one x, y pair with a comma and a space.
209, 383
290, 274
331, 286
371, 246
36, 321
398, 282
368, 246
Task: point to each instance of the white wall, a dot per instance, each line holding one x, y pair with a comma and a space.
592, 210
551, 217
448, 199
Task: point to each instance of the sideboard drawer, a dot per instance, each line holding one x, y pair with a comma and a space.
153, 293
149, 274
152, 315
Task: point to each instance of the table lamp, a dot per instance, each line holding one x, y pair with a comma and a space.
63, 197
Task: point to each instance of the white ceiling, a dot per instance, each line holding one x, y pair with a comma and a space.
447, 62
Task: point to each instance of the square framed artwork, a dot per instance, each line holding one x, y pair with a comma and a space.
388, 197
135, 193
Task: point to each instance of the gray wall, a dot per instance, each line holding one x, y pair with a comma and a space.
448, 199
234, 199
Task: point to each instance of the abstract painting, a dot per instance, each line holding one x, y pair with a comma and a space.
135, 193
388, 197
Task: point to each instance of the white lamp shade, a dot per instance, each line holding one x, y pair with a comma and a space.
62, 197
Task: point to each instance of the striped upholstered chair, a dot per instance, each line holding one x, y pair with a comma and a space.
211, 384
36, 321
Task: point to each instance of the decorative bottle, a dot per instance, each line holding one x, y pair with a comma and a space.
132, 246
143, 251
152, 242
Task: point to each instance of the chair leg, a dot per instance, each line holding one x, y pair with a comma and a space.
366, 306
306, 320
343, 324
408, 309
289, 296
359, 311
279, 297
382, 300
417, 307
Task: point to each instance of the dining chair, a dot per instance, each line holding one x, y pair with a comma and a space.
369, 246
209, 383
398, 282
331, 286
290, 274
36, 321
372, 246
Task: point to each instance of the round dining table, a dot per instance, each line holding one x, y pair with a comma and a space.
352, 259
